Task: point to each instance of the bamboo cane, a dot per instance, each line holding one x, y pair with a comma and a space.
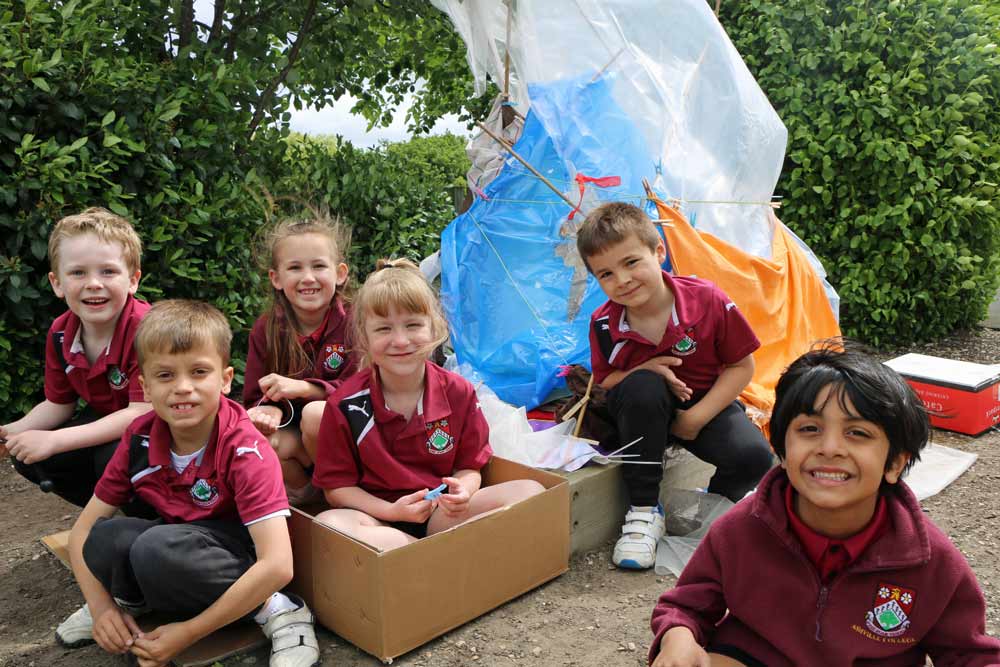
510, 149
583, 410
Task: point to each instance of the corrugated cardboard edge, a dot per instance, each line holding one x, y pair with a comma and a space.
234, 639
357, 573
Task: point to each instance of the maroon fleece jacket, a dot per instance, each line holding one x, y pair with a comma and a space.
909, 595
333, 360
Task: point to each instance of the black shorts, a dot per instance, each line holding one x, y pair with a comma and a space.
417, 530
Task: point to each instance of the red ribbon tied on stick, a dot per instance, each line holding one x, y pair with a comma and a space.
601, 182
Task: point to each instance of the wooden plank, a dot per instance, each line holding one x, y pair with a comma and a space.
597, 506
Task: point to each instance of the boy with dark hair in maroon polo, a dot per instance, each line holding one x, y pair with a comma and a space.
832, 561
674, 353
219, 549
94, 258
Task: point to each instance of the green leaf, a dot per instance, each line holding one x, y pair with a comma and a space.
109, 118
41, 84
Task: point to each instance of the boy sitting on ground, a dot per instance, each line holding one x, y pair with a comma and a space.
220, 548
674, 353
94, 258
831, 561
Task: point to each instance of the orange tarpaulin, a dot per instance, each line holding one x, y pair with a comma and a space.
782, 297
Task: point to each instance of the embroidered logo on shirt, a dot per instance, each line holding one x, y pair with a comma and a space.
116, 378
439, 439
890, 614
686, 345
204, 494
335, 356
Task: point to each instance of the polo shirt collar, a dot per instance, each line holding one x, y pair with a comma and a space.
73, 338
433, 403
334, 315
817, 546
160, 439
685, 312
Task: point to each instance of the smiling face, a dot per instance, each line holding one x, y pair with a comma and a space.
837, 460
398, 342
629, 273
185, 389
307, 272
94, 279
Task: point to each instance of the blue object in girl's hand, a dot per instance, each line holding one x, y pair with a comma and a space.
434, 493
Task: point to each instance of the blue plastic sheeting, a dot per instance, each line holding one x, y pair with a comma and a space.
506, 286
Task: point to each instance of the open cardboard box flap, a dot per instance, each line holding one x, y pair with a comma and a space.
390, 602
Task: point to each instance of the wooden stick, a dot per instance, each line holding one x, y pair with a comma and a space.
610, 62
510, 149
506, 59
583, 410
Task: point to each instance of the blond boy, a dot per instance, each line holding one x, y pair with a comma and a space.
94, 259
219, 548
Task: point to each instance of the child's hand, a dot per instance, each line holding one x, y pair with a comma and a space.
456, 501
686, 425
679, 649
3, 440
278, 387
663, 365
114, 630
413, 508
265, 418
158, 646
32, 446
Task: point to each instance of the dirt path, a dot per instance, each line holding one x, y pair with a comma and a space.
592, 616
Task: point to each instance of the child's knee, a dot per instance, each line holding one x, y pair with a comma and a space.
312, 415
521, 489
642, 390
162, 553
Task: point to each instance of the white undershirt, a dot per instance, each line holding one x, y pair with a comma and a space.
179, 462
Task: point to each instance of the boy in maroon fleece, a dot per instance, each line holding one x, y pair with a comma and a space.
831, 561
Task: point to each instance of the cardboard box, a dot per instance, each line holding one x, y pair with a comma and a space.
960, 396
390, 602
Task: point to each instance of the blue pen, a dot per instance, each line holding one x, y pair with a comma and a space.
434, 493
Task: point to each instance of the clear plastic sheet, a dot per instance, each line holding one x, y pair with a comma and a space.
689, 514
627, 88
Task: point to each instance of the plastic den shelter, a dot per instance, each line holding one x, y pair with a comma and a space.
613, 93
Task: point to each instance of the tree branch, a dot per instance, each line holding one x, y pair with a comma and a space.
217, 20
293, 55
187, 24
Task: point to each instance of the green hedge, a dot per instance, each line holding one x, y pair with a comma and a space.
893, 112
91, 114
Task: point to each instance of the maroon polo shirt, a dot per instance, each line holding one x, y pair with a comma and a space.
829, 555
362, 443
112, 382
327, 347
706, 331
237, 478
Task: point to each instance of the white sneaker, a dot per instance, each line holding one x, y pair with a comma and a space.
77, 630
293, 640
636, 548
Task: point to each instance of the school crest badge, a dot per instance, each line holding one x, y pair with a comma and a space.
891, 610
439, 438
335, 356
204, 494
685, 345
116, 378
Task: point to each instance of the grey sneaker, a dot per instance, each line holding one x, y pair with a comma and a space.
77, 630
293, 640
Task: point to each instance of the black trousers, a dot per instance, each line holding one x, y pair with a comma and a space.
74, 474
179, 568
642, 405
